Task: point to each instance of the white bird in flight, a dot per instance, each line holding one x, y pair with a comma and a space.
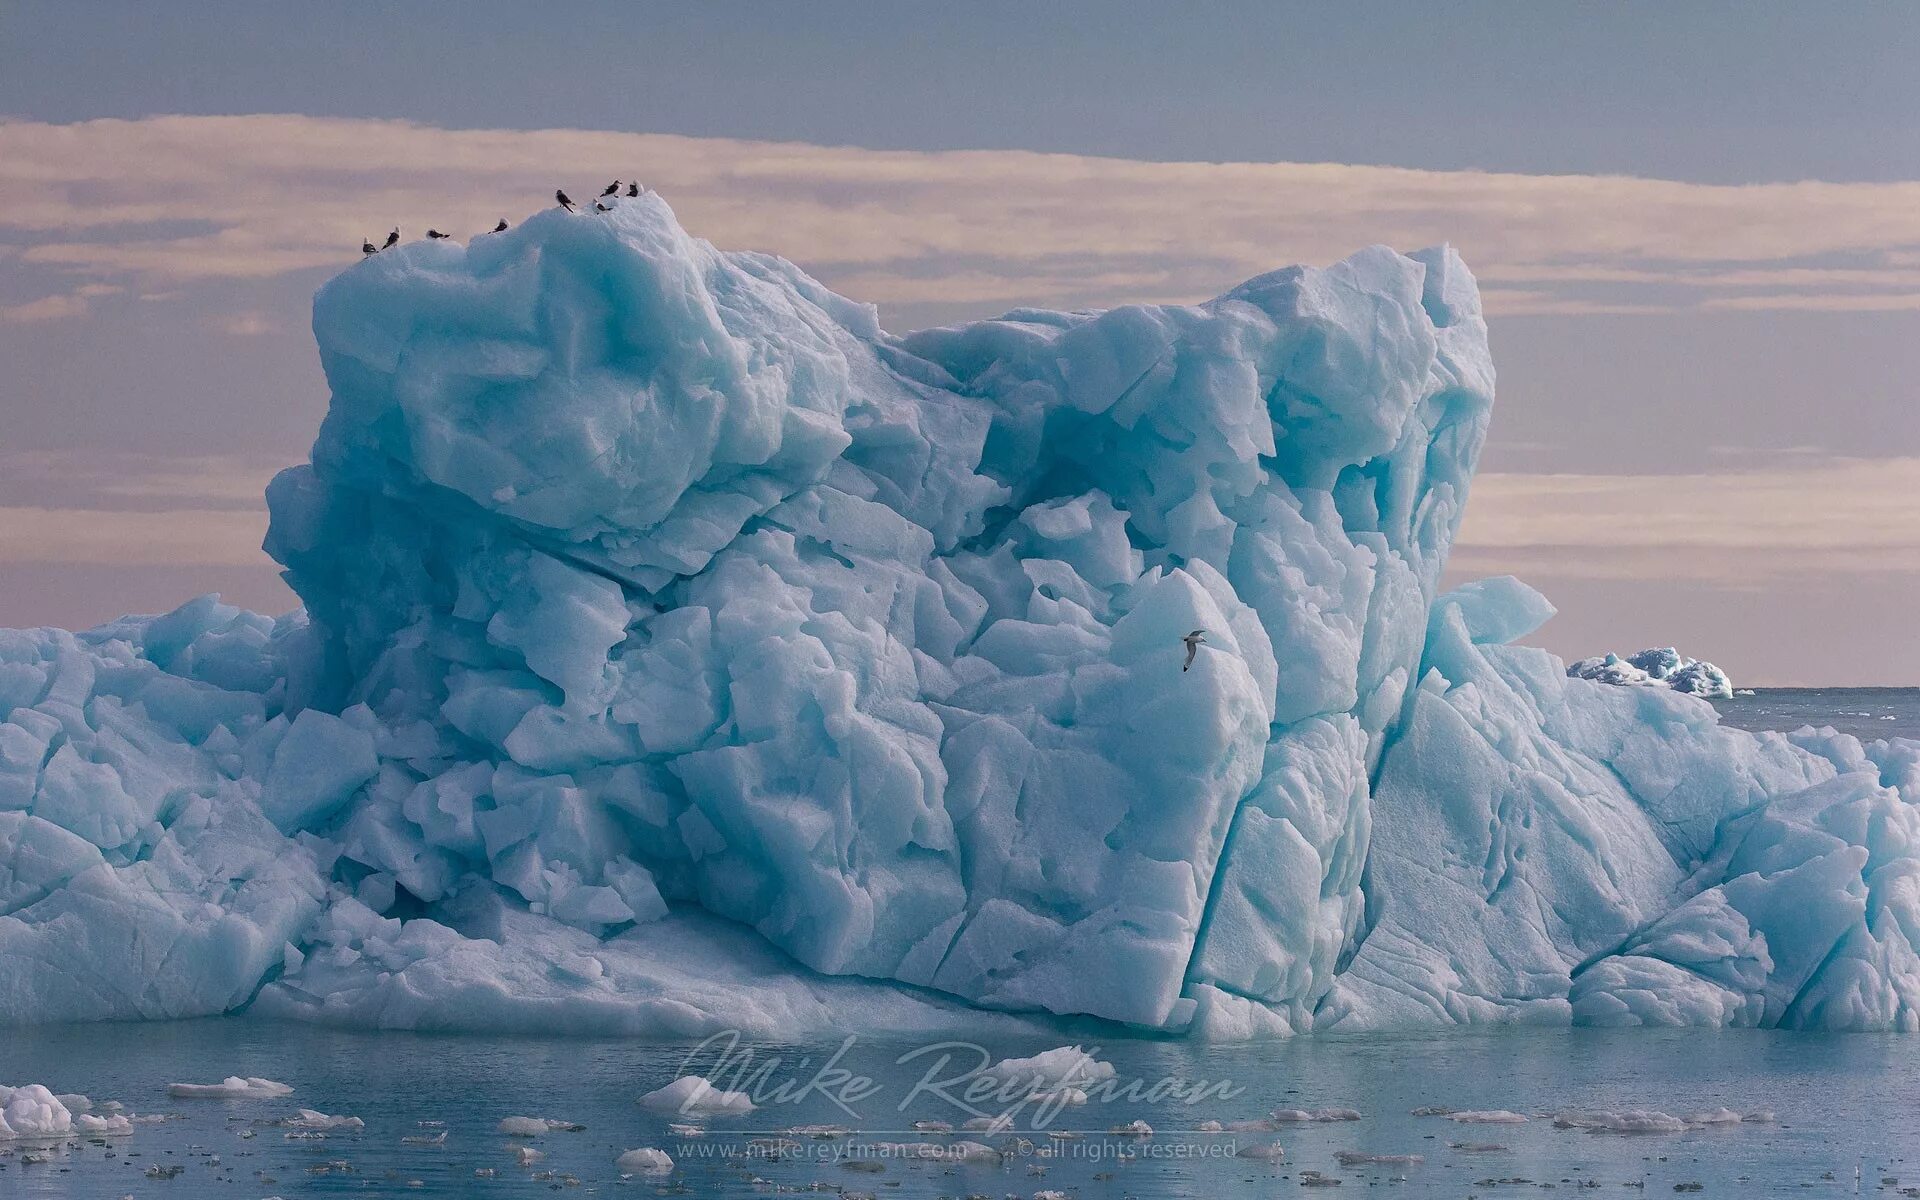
1193, 641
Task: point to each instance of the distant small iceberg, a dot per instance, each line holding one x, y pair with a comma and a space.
1660, 666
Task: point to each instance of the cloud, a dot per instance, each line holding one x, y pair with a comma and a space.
1872, 302
97, 479
172, 537
1748, 527
164, 201
77, 508
47, 308
245, 324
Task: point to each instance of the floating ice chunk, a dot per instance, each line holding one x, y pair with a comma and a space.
308, 1118
998, 1123
1487, 1116
1254, 1125
32, 1112
693, 1094
526, 1156
1659, 667
117, 1125
1296, 1116
1062, 1069
1478, 1147
1727, 1116
933, 1126
1630, 1120
1354, 1158
645, 1161
1134, 1128
1609, 668
423, 1139
1266, 1151
234, 1087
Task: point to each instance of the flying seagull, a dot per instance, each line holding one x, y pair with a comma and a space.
436, 235
564, 202
612, 188
369, 248
633, 189
501, 227
1193, 641
392, 238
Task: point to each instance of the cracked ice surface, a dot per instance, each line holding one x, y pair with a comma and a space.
681, 651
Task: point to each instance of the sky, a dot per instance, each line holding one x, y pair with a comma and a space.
1697, 229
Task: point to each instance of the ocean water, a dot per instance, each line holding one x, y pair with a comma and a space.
1866, 713
1840, 1105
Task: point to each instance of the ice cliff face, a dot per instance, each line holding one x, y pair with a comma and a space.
682, 651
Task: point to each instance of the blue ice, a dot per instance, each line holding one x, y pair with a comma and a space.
680, 651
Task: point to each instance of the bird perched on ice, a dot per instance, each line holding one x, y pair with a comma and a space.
599, 207
612, 188
436, 235
393, 239
369, 248
564, 202
501, 227
1193, 641
633, 189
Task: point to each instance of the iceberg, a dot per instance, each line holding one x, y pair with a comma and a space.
526, 1127
694, 1094
32, 1112
1658, 667
645, 1161
308, 1118
681, 652
234, 1087
1296, 1116
1060, 1075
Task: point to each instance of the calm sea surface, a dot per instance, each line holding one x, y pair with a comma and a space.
1867, 713
1840, 1104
